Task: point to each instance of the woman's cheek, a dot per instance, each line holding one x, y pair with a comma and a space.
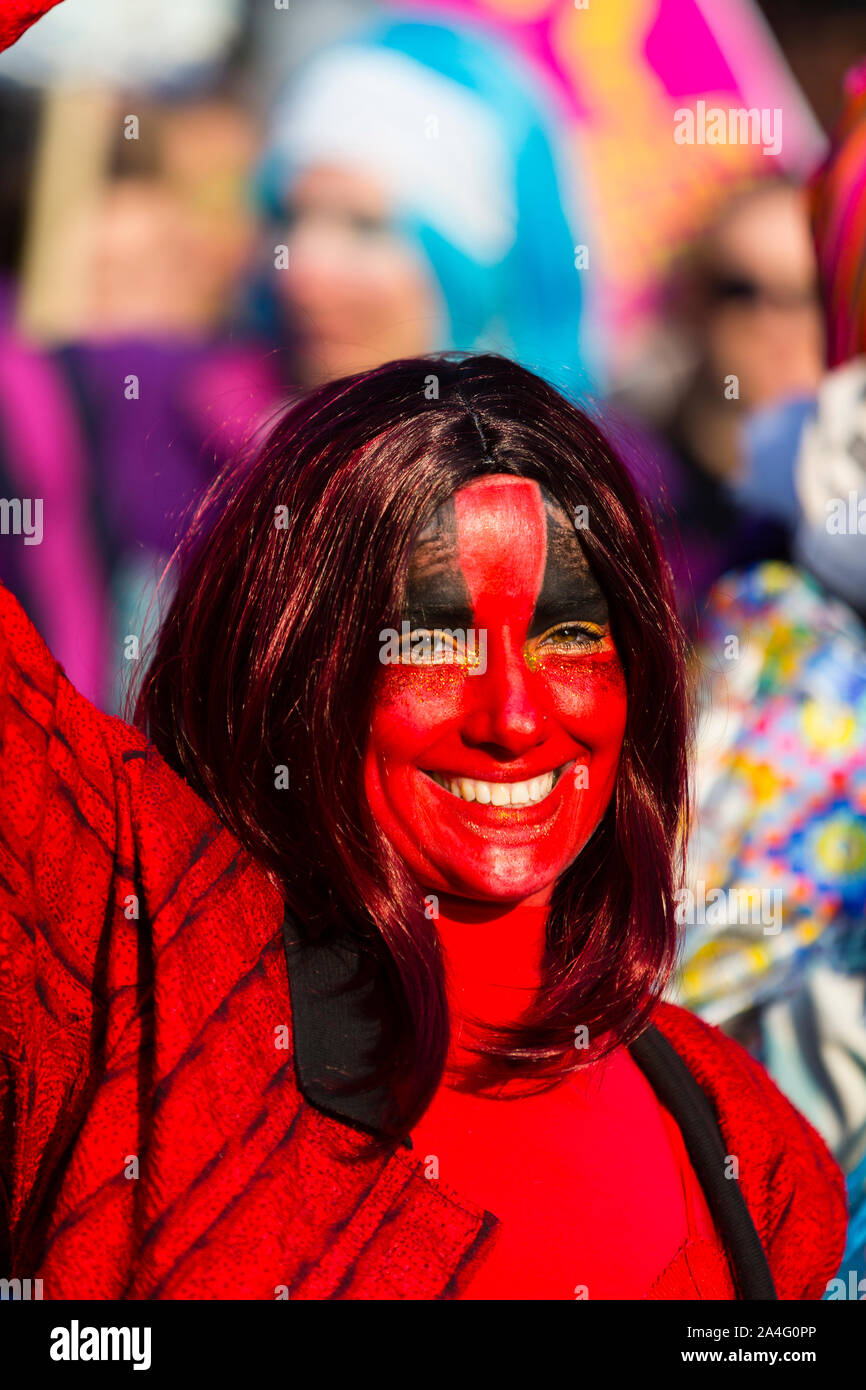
412, 702
588, 694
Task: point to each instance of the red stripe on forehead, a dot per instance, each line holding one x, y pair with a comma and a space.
502, 543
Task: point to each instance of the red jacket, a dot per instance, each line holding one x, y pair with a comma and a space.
156, 1136
18, 15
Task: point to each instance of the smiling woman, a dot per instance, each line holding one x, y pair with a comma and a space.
549, 706
340, 908
445, 513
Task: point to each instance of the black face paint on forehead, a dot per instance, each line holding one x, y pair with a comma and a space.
436, 591
437, 594
569, 591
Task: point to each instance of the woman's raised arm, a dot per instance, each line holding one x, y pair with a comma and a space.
58, 849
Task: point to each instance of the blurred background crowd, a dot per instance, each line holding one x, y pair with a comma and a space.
231, 200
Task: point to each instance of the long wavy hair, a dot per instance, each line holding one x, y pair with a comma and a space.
293, 563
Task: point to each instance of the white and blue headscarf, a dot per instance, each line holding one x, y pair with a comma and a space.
467, 146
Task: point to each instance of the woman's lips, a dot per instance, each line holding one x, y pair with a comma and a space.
500, 794
512, 823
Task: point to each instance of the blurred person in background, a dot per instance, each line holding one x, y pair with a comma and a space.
802, 463
165, 387
41, 450
415, 182
775, 932
830, 460
781, 786
144, 388
415, 174
744, 303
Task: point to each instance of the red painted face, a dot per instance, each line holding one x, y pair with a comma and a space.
489, 778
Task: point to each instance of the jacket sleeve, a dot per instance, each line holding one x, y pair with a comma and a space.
18, 15
58, 844
792, 1185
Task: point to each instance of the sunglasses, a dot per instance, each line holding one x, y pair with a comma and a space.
745, 290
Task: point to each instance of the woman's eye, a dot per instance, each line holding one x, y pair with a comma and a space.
364, 226
358, 224
571, 637
425, 646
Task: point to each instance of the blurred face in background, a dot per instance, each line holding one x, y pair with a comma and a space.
158, 248
762, 313
149, 268
356, 292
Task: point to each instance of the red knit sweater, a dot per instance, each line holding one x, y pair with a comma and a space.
153, 1139
567, 1169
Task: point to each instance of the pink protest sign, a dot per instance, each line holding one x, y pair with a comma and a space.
653, 91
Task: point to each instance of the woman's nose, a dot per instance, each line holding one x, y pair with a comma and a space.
317, 261
505, 713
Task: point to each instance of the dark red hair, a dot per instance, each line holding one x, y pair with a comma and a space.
269, 653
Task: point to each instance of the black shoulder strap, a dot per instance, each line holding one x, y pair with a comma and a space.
681, 1094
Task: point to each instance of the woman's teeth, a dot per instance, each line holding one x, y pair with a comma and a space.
499, 793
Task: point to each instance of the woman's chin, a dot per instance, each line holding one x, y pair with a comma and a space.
490, 885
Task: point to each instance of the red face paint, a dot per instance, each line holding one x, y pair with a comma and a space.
539, 722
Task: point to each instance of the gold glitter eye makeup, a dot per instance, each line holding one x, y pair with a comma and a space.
567, 639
